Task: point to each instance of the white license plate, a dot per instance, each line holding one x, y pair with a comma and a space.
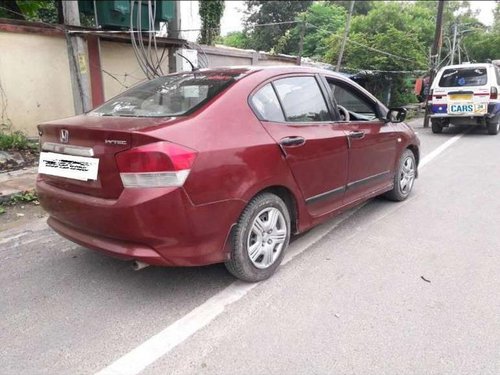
468, 108
69, 166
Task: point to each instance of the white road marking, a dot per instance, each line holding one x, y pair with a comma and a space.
160, 344
434, 153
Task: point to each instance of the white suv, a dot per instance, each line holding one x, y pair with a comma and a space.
466, 94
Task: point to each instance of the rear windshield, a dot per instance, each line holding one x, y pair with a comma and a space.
458, 77
174, 95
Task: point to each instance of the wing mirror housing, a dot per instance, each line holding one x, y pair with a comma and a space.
396, 115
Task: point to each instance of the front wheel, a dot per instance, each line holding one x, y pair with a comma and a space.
259, 239
404, 177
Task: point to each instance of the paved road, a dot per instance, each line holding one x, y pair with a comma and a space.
354, 302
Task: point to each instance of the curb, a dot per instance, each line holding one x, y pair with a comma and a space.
17, 182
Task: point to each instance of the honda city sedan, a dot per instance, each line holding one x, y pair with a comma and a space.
221, 165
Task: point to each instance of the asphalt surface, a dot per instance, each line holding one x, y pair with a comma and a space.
395, 288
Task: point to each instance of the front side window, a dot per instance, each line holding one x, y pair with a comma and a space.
460, 77
302, 99
359, 108
266, 104
173, 95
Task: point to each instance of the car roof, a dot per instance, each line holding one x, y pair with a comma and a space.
276, 69
472, 65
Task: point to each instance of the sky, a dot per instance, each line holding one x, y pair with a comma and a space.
233, 14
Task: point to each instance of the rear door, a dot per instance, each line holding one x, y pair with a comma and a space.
294, 112
372, 144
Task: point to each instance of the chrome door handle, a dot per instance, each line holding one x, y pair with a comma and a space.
358, 134
292, 141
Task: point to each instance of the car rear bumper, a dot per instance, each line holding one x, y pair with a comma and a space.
158, 226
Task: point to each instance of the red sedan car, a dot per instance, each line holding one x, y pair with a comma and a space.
221, 165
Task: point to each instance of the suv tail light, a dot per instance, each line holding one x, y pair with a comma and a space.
160, 164
493, 93
429, 97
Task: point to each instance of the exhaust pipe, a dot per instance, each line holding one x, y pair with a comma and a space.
137, 265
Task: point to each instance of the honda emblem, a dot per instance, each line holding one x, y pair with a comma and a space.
64, 136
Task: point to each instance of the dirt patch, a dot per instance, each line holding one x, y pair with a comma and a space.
30, 158
20, 214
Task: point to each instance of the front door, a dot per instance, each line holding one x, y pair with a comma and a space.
372, 143
315, 149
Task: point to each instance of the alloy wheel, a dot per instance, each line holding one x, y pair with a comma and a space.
266, 237
407, 175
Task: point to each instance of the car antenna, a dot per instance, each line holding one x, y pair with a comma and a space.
193, 68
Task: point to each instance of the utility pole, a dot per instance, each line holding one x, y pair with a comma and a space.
80, 82
434, 56
301, 42
454, 43
174, 26
346, 34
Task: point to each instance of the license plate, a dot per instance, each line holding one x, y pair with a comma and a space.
467, 108
460, 97
69, 166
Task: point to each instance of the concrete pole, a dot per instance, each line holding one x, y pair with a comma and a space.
173, 32
346, 34
80, 81
434, 56
454, 43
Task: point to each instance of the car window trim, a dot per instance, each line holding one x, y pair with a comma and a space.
374, 103
303, 123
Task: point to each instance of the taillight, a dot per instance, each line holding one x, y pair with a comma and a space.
493, 93
429, 97
160, 164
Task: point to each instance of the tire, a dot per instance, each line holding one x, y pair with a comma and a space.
494, 126
404, 177
437, 127
256, 253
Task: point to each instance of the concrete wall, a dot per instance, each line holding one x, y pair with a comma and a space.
120, 69
35, 80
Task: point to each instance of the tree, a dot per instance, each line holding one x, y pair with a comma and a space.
361, 7
30, 10
264, 38
321, 20
211, 12
237, 39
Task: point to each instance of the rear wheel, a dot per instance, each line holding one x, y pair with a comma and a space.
437, 127
404, 177
259, 239
493, 126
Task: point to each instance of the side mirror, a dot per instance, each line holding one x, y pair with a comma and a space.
396, 115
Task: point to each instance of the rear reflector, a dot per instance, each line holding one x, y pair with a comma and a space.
160, 164
429, 97
493, 93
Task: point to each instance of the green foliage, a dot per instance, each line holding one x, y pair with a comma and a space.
361, 7
403, 30
211, 12
25, 197
13, 140
237, 39
482, 46
2, 210
30, 10
321, 21
265, 38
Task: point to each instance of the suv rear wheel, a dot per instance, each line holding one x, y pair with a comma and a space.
259, 239
437, 127
494, 125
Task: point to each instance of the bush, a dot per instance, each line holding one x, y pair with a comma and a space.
14, 140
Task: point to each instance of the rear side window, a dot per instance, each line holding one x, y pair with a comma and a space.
302, 99
266, 104
459, 77
173, 95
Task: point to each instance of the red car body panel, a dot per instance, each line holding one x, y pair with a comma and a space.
238, 156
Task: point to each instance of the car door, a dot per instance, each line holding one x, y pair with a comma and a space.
372, 143
294, 112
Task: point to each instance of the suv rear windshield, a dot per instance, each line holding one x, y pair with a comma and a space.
174, 95
458, 77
